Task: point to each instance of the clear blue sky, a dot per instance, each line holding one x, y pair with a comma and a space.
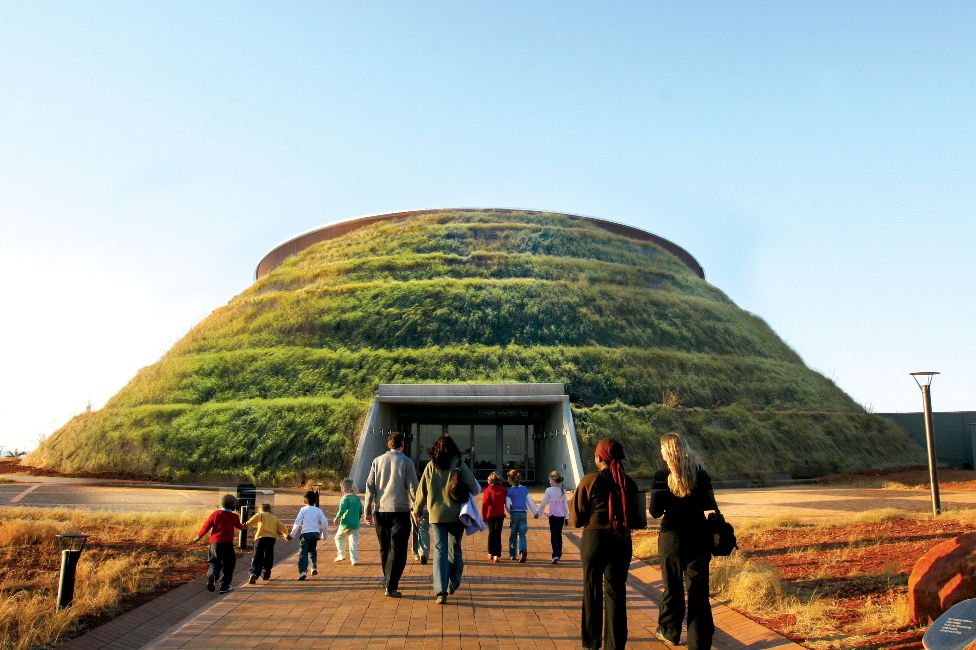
819, 159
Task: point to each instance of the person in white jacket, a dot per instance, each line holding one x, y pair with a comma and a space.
555, 498
313, 525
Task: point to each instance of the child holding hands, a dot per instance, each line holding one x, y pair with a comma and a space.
555, 498
347, 520
517, 501
268, 530
313, 525
493, 512
221, 556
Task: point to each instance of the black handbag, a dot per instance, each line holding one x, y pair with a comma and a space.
457, 489
722, 535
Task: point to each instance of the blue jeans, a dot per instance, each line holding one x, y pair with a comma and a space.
421, 537
306, 549
448, 563
519, 527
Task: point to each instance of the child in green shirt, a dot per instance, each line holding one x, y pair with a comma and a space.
347, 518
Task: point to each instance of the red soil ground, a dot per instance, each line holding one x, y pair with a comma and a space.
849, 565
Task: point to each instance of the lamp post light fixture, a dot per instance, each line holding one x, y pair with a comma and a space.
924, 381
71, 547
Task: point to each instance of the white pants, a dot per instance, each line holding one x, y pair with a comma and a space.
347, 537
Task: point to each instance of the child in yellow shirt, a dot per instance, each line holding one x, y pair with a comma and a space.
268, 529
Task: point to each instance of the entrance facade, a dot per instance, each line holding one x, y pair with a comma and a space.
498, 427
485, 446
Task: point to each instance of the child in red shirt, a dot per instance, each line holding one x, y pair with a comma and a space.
493, 512
221, 555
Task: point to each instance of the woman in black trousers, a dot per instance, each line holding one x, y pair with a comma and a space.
604, 504
682, 494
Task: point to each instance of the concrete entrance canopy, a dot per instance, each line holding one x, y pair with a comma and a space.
528, 427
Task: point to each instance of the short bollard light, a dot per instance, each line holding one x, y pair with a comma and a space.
71, 547
242, 538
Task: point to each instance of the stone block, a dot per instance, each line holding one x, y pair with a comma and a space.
943, 577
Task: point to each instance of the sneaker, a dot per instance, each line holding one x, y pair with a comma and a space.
659, 633
495, 559
252, 580
491, 557
511, 557
210, 583
416, 558
393, 594
315, 571
302, 576
353, 562
555, 560
423, 559
266, 577
338, 559
522, 557
441, 599
451, 590
227, 589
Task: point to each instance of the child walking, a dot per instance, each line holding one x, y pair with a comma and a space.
493, 512
517, 501
347, 520
268, 529
313, 526
420, 534
221, 556
555, 498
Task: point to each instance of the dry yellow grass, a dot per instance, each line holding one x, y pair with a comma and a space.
803, 610
770, 523
127, 554
645, 545
880, 515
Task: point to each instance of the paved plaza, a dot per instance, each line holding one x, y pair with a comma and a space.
499, 605
505, 605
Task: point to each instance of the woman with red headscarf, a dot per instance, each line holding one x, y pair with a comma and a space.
605, 505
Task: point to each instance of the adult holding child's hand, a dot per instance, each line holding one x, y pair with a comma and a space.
390, 486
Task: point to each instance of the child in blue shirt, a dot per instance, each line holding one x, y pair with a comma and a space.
517, 501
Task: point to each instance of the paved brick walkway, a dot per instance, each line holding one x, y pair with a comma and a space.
510, 605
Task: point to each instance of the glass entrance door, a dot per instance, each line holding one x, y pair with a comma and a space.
484, 450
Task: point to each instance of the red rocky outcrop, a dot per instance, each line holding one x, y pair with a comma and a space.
944, 576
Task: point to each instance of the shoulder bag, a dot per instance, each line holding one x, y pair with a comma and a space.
721, 534
457, 489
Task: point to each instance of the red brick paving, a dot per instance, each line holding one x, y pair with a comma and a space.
510, 605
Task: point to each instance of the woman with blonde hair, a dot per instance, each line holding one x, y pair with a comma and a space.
682, 494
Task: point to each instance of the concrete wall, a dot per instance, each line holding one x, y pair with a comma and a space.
297, 244
372, 441
953, 433
558, 448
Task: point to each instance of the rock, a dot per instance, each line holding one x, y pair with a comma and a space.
954, 630
944, 576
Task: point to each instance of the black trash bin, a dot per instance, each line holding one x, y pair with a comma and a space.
246, 496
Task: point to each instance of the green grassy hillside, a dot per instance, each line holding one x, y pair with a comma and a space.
274, 384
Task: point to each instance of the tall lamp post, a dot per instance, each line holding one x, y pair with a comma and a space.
924, 381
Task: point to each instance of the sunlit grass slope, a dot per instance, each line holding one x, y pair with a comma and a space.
274, 384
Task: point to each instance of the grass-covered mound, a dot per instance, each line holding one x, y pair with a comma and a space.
275, 384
